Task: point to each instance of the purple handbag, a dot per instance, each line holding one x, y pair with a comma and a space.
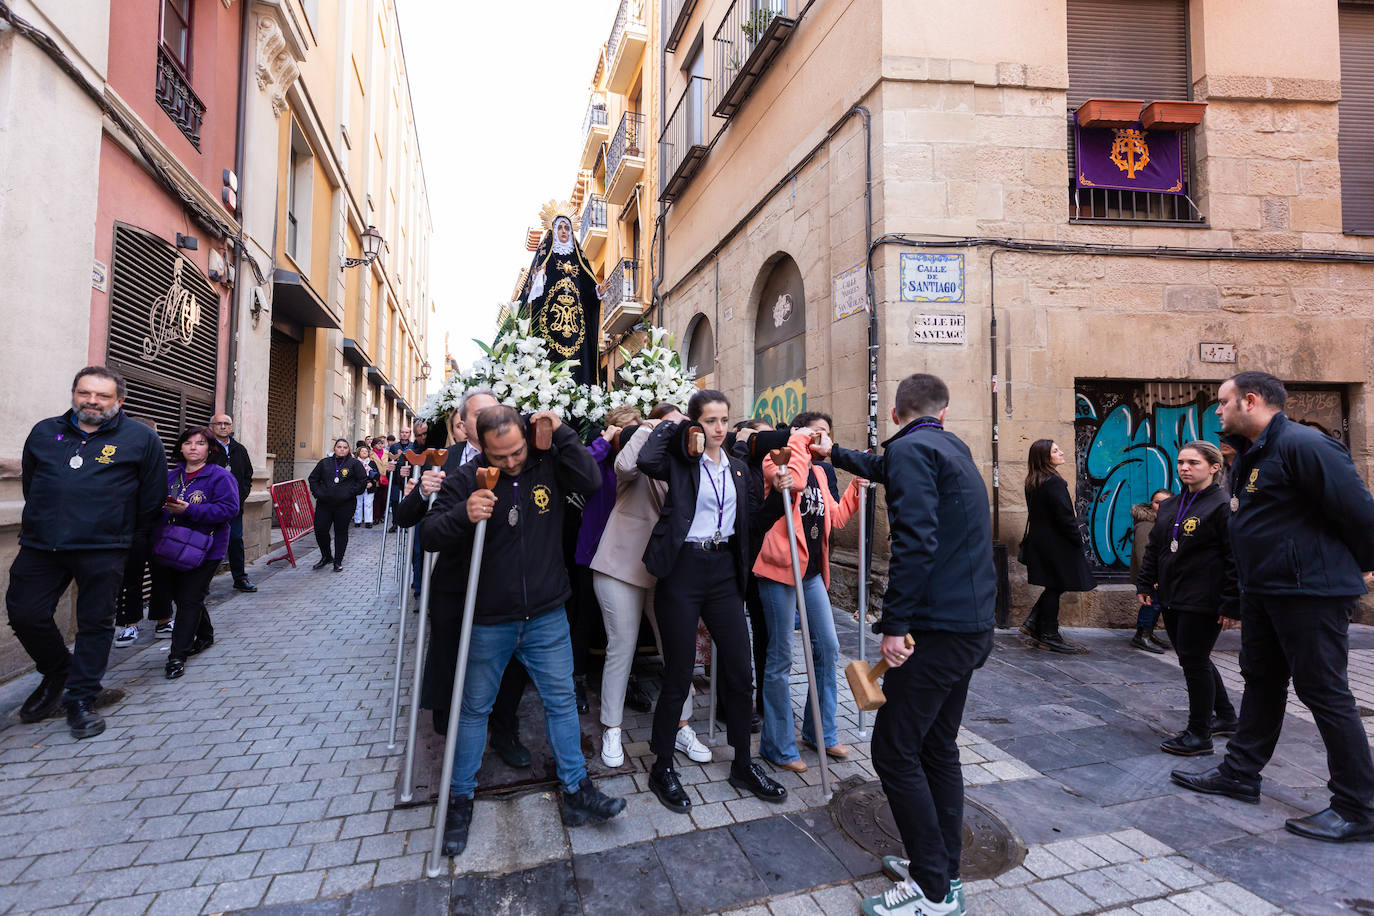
181, 547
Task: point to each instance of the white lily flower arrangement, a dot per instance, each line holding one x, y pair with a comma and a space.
653, 375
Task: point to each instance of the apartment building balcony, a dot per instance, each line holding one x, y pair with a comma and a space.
175, 96
683, 144
594, 131
679, 14
593, 225
750, 36
625, 159
626, 45
623, 307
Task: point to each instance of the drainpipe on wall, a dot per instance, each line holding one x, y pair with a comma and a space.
239, 143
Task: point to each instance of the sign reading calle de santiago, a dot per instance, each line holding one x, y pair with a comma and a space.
931, 277
938, 329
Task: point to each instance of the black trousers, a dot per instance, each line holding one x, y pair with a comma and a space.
1043, 619
334, 516
702, 587
37, 580
236, 564
1193, 636
441, 662
186, 588
758, 622
130, 607
915, 753
1308, 640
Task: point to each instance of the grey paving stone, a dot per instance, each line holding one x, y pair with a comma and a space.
124, 906
294, 887
784, 856
282, 861
551, 885
382, 846
219, 844
180, 901
360, 825
1062, 897
269, 837
226, 868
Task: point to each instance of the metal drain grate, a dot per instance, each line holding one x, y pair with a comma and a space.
990, 848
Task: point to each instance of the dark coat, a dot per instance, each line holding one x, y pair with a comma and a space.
1053, 549
352, 481
1143, 514
664, 457
240, 468
523, 573
118, 490
941, 574
1305, 523
450, 568
1201, 577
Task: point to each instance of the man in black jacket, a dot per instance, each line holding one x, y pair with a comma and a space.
941, 591
241, 466
92, 479
519, 602
1302, 533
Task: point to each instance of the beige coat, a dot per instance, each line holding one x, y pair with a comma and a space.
638, 500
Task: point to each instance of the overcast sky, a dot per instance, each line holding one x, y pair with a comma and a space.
500, 91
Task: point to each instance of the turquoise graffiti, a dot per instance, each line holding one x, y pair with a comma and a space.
1125, 454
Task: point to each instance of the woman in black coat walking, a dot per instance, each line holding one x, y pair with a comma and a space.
1052, 548
1187, 570
336, 483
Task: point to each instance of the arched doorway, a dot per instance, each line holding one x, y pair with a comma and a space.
699, 356
780, 344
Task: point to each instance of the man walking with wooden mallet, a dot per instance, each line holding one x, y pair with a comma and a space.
941, 591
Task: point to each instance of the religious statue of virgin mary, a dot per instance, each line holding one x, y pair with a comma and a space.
563, 297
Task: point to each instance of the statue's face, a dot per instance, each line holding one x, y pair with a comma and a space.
563, 231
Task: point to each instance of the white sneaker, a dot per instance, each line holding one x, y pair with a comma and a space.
126, 636
689, 744
899, 869
902, 900
612, 754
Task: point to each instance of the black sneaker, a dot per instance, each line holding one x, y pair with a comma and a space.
338, 567
636, 698
1141, 640
456, 825
200, 644
176, 667
1187, 744
756, 781
511, 751
580, 692
668, 789
45, 700
589, 805
1224, 727
83, 720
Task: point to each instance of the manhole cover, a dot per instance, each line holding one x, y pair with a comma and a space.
990, 848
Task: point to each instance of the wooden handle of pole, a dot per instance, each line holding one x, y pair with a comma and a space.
780, 457
436, 456
543, 434
696, 443
487, 477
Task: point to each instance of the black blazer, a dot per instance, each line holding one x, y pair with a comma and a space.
664, 457
1054, 545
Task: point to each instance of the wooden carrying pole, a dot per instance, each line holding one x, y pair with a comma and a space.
435, 457
780, 457
486, 480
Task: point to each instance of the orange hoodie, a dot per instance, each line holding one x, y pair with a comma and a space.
775, 559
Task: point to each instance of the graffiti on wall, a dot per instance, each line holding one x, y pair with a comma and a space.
1127, 439
780, 403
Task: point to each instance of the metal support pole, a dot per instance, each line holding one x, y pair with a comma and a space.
456, 704
408, 769
863, 591
806, 645
400, 645
386, 523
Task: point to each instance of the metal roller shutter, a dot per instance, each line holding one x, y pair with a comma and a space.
1128, 49
281, 405
1357, 117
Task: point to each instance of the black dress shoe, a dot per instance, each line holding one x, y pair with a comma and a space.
200, 644
456, 825
1141, 640
440, 721
580, 693
1187, 744
511, 750
636, 698
1224, 727
83, 720
244, 585
368, 525
589, 805
755, 780
668, 789
1331, 828
322, 563
755, 724
176, 667
338, 567
45, 700
1055, 642
1214, 782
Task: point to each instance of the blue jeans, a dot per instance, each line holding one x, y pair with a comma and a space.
779, 740
1147, 616
544, 647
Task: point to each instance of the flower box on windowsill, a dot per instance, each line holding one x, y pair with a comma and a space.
1171, 115
1109, 112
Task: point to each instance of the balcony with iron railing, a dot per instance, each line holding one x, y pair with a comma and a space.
750, 36
594, 130
175, 96
625, 47
679, 14
592, 232
1108, 205
683, 145
625, 158
622, 307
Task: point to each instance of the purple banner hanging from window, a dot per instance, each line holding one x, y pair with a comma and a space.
1129, 159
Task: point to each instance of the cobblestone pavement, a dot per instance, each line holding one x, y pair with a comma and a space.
262, 779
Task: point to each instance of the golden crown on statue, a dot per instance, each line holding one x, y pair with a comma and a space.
556, 208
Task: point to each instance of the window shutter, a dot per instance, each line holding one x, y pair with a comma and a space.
1357, 117
1128, 49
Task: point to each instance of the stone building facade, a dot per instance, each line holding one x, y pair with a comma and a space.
946, 145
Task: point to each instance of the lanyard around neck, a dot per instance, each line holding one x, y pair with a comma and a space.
1183, 511
720, 492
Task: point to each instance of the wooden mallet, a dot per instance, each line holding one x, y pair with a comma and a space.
863, 681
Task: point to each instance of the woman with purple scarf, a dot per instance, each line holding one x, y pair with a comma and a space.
201, 496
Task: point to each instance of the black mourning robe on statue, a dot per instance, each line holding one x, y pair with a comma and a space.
567, 313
